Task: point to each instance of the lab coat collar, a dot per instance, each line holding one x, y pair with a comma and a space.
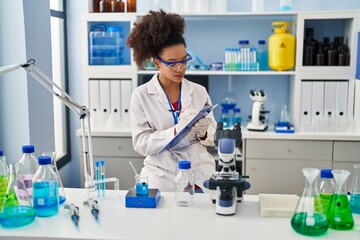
186, 92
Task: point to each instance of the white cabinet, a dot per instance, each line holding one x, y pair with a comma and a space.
274, 166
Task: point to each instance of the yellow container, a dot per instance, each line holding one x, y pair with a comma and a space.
281, 48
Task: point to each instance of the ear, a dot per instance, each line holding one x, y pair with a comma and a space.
156, 63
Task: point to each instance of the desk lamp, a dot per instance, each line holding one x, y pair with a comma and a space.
80, 110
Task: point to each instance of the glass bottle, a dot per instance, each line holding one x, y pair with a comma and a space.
225, 119
62, 196
17, 209
339, 214
117, 6
326, 188
355, 191
105, 6
262, 56
308, 219
131, 5
184, 185
94, 6
46, 189
236, 117
29, 166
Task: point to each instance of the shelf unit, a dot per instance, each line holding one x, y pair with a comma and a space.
231, 27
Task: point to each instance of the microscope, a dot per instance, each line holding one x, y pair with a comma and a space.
257, 116
227, 180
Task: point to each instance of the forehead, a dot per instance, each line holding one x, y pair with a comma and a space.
175, 52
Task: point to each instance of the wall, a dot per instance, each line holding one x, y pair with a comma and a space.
25, 107
76, 8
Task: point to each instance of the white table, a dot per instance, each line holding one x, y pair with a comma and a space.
167, 221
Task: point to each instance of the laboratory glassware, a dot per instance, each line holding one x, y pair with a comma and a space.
141, 185
339, 214
17, 209
62, 195
3, 178
29, 166
262, 56
45, 189
184, 185
236, 117
326, 188
102, 175
308, 219
355, 191
225, 118
285, 5
131, 5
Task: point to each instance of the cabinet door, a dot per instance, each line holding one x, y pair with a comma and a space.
279, 176
346, 155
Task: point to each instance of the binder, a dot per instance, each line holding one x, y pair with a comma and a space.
317, 107
125, 88
330, 100
115, 105
94, 103
342, 89
306, 95
104, 103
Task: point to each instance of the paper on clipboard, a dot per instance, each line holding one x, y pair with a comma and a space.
185, 131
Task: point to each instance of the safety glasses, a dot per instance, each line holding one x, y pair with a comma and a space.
176, 65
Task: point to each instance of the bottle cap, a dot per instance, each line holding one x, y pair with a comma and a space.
97, 163
261, 41
28, 149
241, 42
44, 160
237, 110
326, 173
102, 162
1, 152
184, 164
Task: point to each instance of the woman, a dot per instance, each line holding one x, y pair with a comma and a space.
165, 104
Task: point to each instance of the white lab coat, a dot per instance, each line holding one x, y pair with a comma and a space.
152, 127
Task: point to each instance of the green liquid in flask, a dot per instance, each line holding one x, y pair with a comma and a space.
11, 200
339, 215
315, 227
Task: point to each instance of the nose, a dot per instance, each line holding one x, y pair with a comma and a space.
181, 66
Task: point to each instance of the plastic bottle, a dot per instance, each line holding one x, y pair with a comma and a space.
46, 189
184, 185
236, 117
262, 56
225, 119
29, 165
326, 188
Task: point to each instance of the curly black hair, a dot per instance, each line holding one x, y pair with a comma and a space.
154, 32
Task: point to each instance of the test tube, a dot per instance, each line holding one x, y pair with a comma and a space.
102, 172
97, 175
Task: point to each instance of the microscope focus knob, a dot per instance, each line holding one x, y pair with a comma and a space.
232, 168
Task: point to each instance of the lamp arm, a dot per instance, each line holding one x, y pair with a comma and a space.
81, 110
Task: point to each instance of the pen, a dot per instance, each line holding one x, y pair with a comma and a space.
177, 111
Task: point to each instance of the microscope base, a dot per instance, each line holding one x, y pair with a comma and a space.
260, 128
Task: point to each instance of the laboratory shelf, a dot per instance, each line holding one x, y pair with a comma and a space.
225, 73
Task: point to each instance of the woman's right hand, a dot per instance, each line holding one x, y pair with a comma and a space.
184, 118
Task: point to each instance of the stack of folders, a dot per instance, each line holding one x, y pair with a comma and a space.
109, 104
324, 105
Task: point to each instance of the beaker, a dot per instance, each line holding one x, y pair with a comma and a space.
355, 191
62, 196
339, 214
17, 209
308, 219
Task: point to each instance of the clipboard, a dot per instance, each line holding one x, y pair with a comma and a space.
185, 131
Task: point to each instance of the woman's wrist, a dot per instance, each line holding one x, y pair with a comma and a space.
203, 138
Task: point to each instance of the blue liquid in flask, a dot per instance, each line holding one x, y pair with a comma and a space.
142, 189
46, 198
17, 216
355, 203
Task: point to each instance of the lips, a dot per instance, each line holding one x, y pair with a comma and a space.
179, 76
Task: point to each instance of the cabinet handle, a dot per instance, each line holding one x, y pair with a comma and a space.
119, 147
289, 150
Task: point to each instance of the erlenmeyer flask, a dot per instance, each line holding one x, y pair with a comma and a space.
308, 219
62, 196
17, 209
3, 178
355, 191
339, 215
